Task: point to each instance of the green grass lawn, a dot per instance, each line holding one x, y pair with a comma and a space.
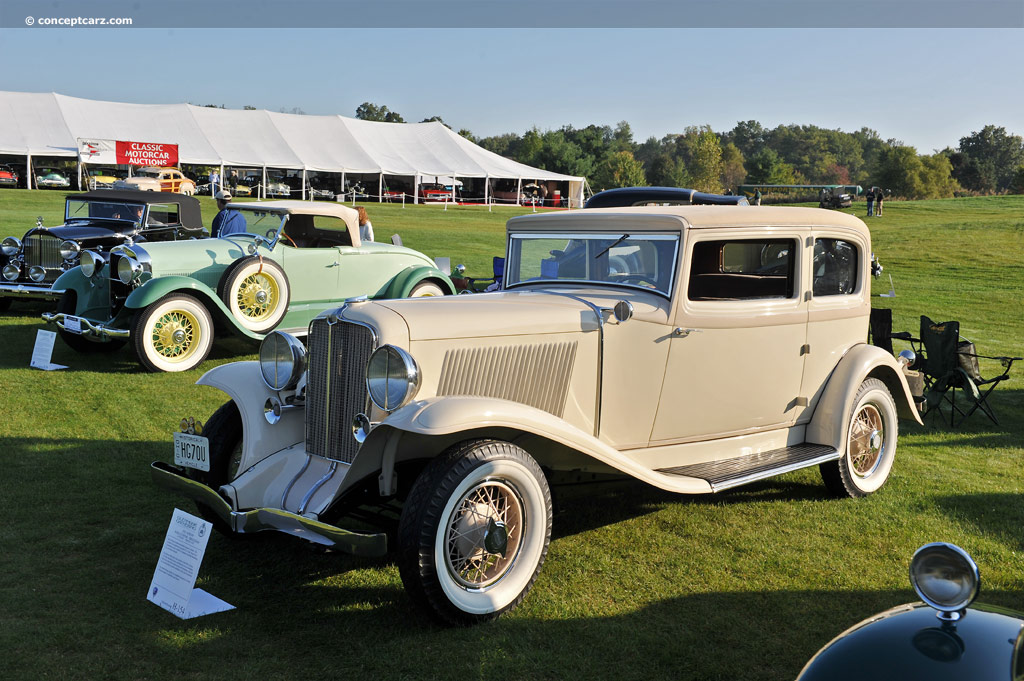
638, 585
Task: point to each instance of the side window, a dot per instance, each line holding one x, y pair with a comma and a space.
743, 269
164, 213
835, 267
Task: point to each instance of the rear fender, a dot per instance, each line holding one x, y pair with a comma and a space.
404, 282
861, 362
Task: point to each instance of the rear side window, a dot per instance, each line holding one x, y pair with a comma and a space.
835, 267
746, 269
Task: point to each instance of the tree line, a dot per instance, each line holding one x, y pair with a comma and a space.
989, 161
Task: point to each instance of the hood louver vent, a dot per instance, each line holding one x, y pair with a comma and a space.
536, 375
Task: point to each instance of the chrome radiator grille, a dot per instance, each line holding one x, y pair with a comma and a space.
44, 251
537, 375
336, 387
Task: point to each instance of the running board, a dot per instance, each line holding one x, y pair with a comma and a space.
743, 469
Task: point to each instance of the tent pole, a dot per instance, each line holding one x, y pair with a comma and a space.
221, 180
263, 185
416, 189
341, 193
519, 191
79, 174
28, 171
380, 188
304, 185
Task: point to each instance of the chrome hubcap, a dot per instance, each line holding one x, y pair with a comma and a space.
867, 438
484, 534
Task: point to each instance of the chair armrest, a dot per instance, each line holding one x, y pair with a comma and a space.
904, 336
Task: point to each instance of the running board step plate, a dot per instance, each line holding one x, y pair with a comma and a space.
743, 469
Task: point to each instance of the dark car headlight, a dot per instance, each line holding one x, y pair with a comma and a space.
11, 271
282, 360
128, 269
392, 377
10, 246
945, 577
69, 250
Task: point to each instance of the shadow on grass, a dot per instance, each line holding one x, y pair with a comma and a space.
997, 514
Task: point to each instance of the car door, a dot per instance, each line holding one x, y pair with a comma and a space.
737, 347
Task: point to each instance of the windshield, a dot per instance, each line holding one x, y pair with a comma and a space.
262, 222
644, 261
116, 210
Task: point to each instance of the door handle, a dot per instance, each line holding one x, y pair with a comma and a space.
683, 333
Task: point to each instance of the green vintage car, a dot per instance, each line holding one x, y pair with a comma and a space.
294, 260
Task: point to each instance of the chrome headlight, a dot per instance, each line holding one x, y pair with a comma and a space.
945, 577
392, 377
92, 263
128, 269
69, 250
10, 246
11, 271
282, 360
36, 274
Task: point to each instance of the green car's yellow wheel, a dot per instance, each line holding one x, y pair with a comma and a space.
256, 291
173, 334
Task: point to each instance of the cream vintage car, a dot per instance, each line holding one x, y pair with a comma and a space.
154, 179
695, 348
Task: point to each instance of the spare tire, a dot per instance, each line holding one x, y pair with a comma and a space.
257, 292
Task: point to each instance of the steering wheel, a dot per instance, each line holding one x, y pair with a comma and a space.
641, 279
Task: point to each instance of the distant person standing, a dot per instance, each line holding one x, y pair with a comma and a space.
233, 181
870, 196
757, 197
879, 195
228, 220
365, 227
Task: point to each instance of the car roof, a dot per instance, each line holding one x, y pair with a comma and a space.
349, 215
695, 217
188, 207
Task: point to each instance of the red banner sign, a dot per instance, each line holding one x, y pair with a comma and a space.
147, 153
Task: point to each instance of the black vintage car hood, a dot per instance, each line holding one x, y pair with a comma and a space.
89, 233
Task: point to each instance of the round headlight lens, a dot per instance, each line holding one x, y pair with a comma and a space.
282, 360
91, 263
69, 250
36, 273
944, 576
392, 377
128, 269
10, 246
11, 271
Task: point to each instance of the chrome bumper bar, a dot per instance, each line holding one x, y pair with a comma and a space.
88, 328
246, 522
28, 291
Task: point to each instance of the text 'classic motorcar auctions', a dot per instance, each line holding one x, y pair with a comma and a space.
695, 348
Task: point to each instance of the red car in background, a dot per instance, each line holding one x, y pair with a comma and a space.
8, 176
435, 192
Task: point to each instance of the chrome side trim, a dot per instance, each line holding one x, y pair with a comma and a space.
284, 497
317, 485
88, 328
257, 520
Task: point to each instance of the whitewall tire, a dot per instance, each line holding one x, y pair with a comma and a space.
173, 334
256, 291
426, 289
870, 450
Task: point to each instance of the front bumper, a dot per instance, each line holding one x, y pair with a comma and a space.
88, 328
29, 291
246, 522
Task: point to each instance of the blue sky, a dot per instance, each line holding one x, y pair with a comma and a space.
926, 87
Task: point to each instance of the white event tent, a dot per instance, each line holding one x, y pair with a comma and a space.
52, 125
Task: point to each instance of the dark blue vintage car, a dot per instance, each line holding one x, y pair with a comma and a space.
939, 639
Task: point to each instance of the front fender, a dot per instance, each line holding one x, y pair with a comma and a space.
861, 362
155, 289
72, 280
401, 286
244, 384
443, 417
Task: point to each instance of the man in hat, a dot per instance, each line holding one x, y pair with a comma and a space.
228, 220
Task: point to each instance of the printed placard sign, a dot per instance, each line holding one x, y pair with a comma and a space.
147, 153
174, 579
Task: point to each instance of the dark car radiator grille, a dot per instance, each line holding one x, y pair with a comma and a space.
336, 387
44, 251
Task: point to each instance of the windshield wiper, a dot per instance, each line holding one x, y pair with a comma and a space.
611, 246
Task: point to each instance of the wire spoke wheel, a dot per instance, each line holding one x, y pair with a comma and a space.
176, 335
258, 296
866, 438
484, 534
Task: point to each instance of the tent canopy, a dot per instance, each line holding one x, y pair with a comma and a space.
50, 124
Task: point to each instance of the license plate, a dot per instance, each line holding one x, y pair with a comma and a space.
192, 451
73, 324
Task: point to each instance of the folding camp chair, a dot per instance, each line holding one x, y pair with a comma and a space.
881, 335
489, 283
950, 362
